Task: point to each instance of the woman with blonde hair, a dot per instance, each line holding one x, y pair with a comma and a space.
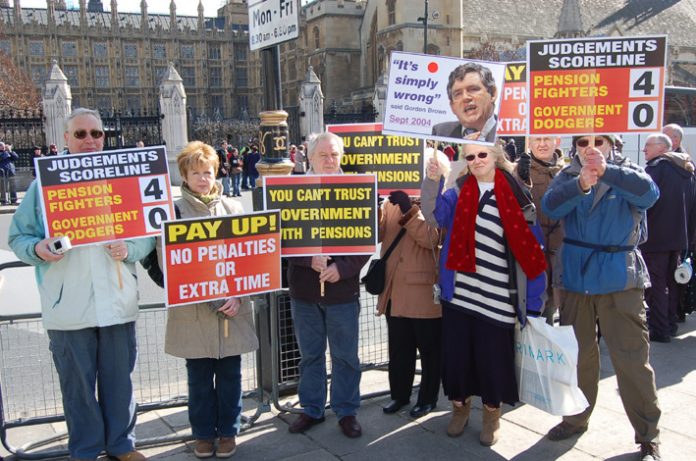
210, 337
489, 253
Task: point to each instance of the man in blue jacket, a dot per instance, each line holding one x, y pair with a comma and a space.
602, 200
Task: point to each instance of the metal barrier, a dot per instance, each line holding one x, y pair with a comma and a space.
30, 391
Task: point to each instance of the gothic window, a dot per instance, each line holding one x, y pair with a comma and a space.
38, 74
215, 77
315, 32
6, 47
101, 76
132, 74
240, 77
240, 53
36, 48
187, 51
391, 12
104, 103
159, 74
71, 72
130, 50
133, 103
69, 49
99, 50
216, 102
159, 51
214, 52
188, 75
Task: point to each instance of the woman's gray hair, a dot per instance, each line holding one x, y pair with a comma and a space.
79, 112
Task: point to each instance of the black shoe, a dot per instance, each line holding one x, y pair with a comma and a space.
673, 330
421, 410
350, 427
394, 406
660, 338
649, 451
304, 422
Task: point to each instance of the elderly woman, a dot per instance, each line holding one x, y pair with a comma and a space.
488, 250
198, 332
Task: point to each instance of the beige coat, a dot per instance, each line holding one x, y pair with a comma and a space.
195, 331
411, 270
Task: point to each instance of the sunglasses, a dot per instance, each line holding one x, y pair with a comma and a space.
82, 134
586, 142
471, 157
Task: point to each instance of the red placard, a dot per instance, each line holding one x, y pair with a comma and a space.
206, 259
596, 85
396, 160
105, 196
512, 118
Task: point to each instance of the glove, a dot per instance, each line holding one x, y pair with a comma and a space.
399, 198
523, 166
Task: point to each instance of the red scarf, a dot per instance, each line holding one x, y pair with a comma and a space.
519, 238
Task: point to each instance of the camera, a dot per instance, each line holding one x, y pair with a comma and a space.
436, 293
60, 245
683, 272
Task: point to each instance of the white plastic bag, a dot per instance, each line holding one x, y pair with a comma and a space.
546, 361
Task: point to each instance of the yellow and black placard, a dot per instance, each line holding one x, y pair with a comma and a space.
324, 214
397, 161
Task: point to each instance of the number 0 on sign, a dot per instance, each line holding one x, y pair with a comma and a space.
596, 85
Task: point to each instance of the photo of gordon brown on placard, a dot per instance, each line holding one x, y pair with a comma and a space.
443, 98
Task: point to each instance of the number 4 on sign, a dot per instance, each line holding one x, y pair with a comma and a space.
645, 83
153, 189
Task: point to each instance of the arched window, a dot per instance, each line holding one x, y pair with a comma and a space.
315, 32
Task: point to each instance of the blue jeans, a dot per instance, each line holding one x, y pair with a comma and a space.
225, 185
101, 358
236, 180
314, 324
215, 396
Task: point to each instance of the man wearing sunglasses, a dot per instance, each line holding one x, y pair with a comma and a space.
89, 305
601, 200
471, 91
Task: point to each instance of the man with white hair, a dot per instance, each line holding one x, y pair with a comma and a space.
668, 224
676, 134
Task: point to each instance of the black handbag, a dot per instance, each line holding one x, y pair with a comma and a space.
374, 279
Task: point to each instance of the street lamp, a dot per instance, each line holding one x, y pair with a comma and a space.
424, 20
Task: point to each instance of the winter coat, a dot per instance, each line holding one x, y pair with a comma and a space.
603, 227
195, 331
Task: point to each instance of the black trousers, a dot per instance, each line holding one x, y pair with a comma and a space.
407, 336
663, 296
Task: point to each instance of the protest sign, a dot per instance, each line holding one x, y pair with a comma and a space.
418, 102
218, 257
596, 85
324, 214
105, 196
396, 160
512, 119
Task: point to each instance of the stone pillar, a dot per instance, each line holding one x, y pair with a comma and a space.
311, 105
174, 127
57, 105
380, 96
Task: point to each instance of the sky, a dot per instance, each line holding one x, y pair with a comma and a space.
183, 7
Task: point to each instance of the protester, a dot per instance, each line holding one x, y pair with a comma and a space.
235, 161
414, 318
8, 157
35, 154
210, 338
601, 200
511, 150
140, 143
538, 168
52, 150
89, 313
471, 91
300, 161
331, 315
676, 134
488, 256
668, 237
253, 158
246, 151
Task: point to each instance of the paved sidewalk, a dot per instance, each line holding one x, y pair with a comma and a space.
398, 437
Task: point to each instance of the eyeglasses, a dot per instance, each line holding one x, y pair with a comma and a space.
82, 134
471, 157
586, 142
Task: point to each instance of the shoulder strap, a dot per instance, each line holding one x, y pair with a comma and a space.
394, 243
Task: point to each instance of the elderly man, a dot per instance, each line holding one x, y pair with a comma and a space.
471, 91
602, 201
538, 169
668, 223
332, 316
675, 134
89, 305
8, 157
